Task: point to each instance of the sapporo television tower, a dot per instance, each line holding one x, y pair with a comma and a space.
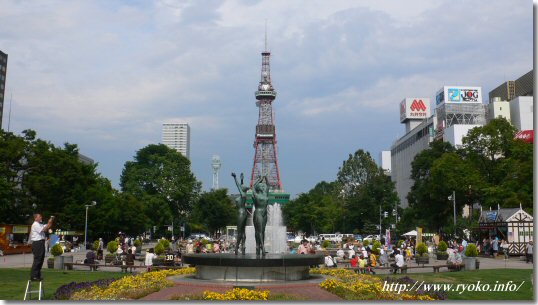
265, 156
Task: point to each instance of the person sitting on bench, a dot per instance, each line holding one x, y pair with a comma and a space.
398, 262
90, 259
454, 259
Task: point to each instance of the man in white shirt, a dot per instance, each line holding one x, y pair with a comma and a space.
398, 262
37, 237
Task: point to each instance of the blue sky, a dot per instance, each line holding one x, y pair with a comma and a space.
106, 74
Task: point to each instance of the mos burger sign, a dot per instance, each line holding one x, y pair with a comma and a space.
414, 108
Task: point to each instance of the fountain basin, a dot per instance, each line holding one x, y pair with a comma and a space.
249, 268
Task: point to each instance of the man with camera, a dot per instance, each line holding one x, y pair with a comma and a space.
37, 237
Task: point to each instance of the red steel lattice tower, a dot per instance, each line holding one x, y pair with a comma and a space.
265, 156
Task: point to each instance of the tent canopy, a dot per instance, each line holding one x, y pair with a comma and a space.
411, 233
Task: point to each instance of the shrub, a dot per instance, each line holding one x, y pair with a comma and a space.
165, 243
96, 245
137, 243
442, 246
471, 251
422, 248
204, 241
376, 246
112, 246
325, 244
56, 250
366, 243
159, 249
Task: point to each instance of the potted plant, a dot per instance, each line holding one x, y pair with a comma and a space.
58, 260
325, 244
112, 247
56, 250
442, 255
159, 251
366, 243
400, 243
375, 247
96, 245
422, 254
470, 257
138, 245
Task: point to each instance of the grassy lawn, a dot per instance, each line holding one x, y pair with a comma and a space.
487, 276
13, 281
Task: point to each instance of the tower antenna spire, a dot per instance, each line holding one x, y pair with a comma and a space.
265, 34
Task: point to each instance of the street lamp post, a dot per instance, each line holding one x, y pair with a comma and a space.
453, 198
86, 226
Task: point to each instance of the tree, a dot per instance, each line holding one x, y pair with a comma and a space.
160, 177
318, 211
37, 176
504, 162
214, 210
365, 189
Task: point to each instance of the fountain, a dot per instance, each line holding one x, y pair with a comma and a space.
275, 265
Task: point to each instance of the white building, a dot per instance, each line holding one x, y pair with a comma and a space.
498, 109
385, 162
521, 112
178, 137
419, 124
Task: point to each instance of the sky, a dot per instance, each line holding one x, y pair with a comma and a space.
106, 74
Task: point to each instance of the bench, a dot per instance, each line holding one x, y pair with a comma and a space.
93, 267
402, 269
449, 267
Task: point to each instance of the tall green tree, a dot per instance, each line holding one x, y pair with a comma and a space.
161, 178
318, 211
365, 190
214, 210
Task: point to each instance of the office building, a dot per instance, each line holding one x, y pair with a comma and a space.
459, 109
498, 109
419, 126
521, 112
385, 162
177, 136
3, 74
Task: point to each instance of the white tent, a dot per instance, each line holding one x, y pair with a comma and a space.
411, 233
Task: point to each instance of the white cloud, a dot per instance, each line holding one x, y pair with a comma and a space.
107, 74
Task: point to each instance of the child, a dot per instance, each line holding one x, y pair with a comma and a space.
372, 263
362, 264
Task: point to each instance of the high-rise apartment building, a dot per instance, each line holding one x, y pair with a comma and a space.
178, 137
3, 73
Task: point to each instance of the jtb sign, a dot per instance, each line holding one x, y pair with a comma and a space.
414, 108
456, 94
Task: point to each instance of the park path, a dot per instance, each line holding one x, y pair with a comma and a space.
310, 291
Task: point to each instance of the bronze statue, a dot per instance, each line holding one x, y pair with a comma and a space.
241, 214
260, 196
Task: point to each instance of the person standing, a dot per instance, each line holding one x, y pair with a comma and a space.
495, 247
37, 237
529, 252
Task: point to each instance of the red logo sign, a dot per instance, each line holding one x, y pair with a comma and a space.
418, 106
